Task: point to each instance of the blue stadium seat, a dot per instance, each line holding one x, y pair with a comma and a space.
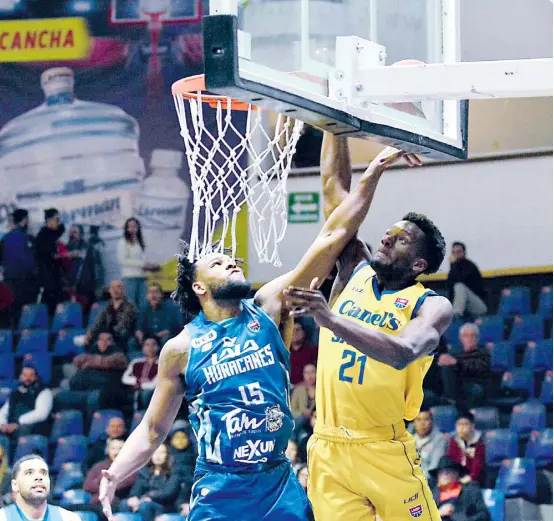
527, 417
538, 356
66, 423
515, 301
32, 341
444, 417
527, 328
517, 478
32, 444
545, 396
491, 328
171, 517
70, 476
500, 444
137, 417
545, 302
33, 316
76, 496
95, 310
7, 367
100, 421
90, 516
64, 345
127, 516
486, 418
6, 342
452, 334
495, 501
68, 315
70, 449
503, 356
42, 362
519, 379
539, 448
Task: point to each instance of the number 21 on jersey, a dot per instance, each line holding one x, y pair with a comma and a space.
352, 367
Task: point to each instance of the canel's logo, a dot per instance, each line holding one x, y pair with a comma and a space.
386, 320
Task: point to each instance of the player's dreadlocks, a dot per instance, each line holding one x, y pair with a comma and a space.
433, 247
184, 295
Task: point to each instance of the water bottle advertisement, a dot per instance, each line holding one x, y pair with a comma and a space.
98, 138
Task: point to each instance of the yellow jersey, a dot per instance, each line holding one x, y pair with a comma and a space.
354, 391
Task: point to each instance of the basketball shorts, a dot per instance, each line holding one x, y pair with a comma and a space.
266, 493
354, 476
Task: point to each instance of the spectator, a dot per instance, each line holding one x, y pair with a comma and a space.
28, 407
183, 454
115, 430
303, 399
118, 317
7, 301
302, 475
18, 260
156, 488
48, 259
304, 436
457, 501
131, 255
430, 442
467, 447
141, 374
183, 501
301, 353
94, 475
292, 454
465, 284
157, 318
98, 373
465, 376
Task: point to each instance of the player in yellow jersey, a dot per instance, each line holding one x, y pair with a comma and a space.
376, 340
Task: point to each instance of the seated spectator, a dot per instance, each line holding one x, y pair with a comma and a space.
98, 373
457, 501
183, 501
465, 284
182, 451
115, 430
94, 475
118, 318
304, 436
467, 447
301, 353
156, 488
303, 398
142, 373
430, 442
465, 376
302, 475
7, 300
292, 454
157, 318
28, 407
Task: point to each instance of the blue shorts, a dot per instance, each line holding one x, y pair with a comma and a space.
271, 493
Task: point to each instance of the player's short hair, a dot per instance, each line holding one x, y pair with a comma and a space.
184, 295
17, 465
433, 247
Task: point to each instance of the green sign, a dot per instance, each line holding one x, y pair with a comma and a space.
304, 207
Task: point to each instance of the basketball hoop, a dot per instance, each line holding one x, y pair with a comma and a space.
231, 166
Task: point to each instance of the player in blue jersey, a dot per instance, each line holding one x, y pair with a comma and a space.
232, 363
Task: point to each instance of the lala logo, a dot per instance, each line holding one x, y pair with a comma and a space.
416, 511
254, 326
401, 303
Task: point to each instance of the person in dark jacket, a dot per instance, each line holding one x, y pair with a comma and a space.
465, 284
156, 487
457, 501
18, 260
49, 263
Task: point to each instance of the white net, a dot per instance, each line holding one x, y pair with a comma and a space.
231, 164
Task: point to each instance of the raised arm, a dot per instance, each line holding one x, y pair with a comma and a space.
336, 171
156, 423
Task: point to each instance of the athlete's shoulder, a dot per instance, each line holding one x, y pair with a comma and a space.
437, 308
67, 515
175, 352
3, 516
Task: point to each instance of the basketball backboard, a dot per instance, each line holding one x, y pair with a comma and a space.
315, 60
135, 12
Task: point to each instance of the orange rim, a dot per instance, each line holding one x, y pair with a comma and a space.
189, 88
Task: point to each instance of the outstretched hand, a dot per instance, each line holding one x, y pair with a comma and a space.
106, 493
390, 155
308, 303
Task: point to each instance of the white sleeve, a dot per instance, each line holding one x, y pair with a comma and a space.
151, 385
128, 377
43, 408
4, 411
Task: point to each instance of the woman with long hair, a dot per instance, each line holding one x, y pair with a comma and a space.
156, 488
131, 254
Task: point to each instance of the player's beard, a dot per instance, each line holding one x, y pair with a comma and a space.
231, 290
398, 270
35, 498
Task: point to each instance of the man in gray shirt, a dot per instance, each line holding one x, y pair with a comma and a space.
430, 442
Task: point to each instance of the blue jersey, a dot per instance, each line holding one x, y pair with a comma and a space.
237, 388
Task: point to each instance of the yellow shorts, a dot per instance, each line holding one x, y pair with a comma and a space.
354, 476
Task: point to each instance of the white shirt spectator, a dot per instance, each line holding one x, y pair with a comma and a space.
41, 412
131, 258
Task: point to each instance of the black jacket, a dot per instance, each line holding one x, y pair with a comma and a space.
49, 267
467, 273
469, 506
162, 489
